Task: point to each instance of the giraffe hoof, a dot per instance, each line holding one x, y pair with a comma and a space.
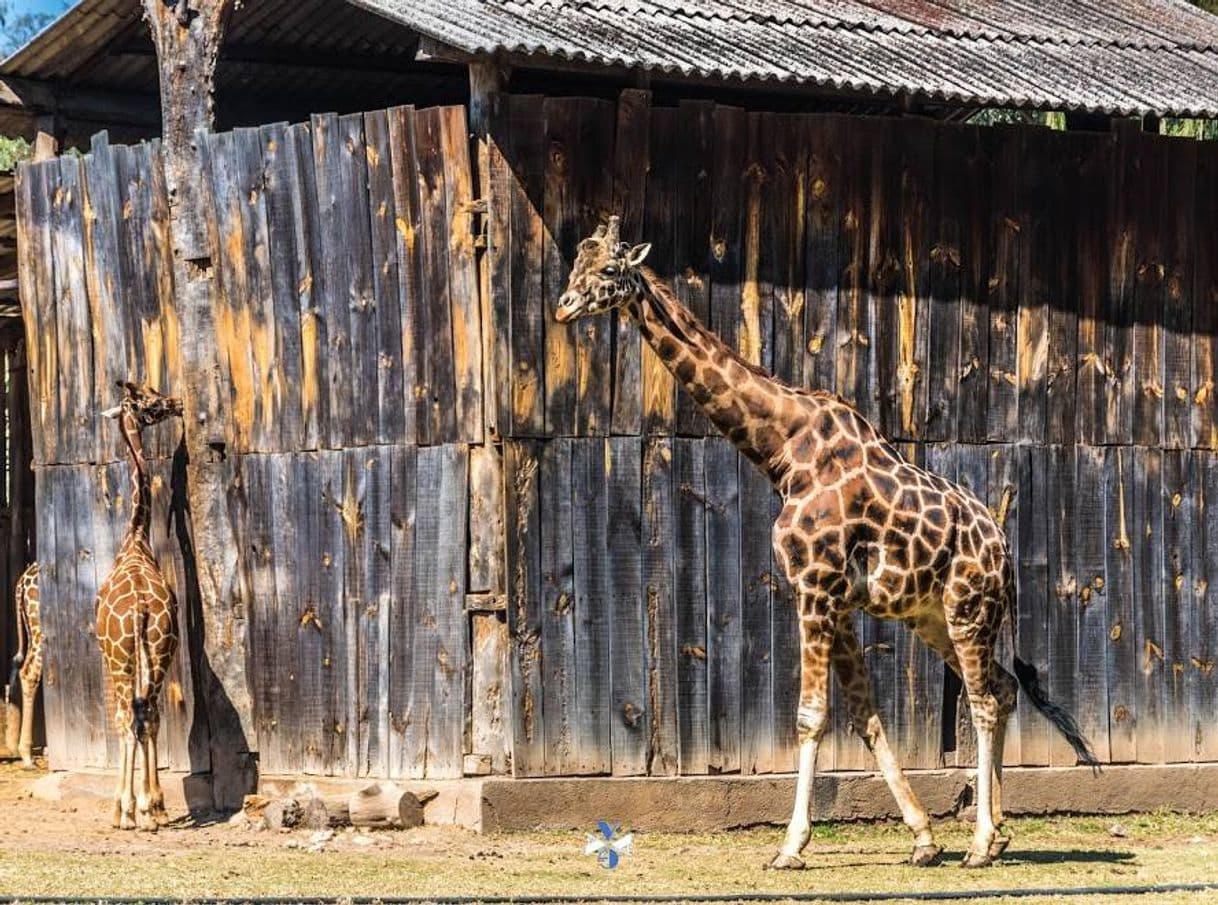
998, 846
787, 862
926, 856
973, 860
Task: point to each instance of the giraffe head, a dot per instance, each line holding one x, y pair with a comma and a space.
606, 273
145, 405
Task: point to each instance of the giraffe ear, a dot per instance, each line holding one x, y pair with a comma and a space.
635, 256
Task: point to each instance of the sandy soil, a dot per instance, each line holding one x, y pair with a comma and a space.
68, 848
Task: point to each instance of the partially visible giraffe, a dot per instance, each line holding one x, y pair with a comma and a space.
860, 528
27, 663
137, 626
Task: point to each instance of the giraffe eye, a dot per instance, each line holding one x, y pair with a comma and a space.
609, 270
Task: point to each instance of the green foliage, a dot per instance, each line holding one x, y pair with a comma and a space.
993, 116
11, 151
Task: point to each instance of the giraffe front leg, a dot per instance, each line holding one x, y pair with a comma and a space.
852, 673
816, 639
31, 674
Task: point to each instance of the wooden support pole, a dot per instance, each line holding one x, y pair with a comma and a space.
187, 35
486, 741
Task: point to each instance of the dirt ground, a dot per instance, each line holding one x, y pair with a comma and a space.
69, 849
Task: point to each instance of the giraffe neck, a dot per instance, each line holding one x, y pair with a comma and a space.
751, 408
141, 493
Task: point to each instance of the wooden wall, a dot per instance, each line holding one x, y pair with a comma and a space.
351, 345
1032, 313
467, 529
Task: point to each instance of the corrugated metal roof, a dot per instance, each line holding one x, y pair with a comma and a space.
1112, 56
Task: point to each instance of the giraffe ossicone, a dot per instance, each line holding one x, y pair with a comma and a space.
860, 528
136, 620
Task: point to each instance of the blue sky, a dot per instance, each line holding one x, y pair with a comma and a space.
39, 6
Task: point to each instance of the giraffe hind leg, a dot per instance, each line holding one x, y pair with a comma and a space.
31, 675
852, 673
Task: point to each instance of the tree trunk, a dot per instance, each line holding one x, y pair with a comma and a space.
187, 35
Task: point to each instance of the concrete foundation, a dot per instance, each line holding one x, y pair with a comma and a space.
710, 803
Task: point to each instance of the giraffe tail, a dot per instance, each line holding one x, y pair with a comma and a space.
1029, 680
23, 631
139, 703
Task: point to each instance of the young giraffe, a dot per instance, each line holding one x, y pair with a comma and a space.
27, 663
860, 528
137, 623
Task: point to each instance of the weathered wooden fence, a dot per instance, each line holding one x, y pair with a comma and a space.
1033, 313
467, 529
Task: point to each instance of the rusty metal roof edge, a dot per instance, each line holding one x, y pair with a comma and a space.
908, 28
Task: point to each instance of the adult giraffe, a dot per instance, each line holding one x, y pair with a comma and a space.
860, 528
137, 626
27, 663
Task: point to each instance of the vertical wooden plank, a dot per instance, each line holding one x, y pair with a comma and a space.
824, 186
334, 306
594, 588
1205, 302
1003, 280
255, 313
309, 275
280, 179
1179, 239
233, 177
1032, 575
287, 701
749, 328
92, 532
425, 610
523, 522
757, 714
1149, 299
465, 313
631, 163
709, 160
527, 154
729, 217
340, 651
854, 342
499, 250
408, 229
104, 281
785, 222
386, 289
486, 566
1179, 519
725, 635
312, 617
405, 707
593, 335
1090, 678
1064, 584
1150, 630
55, 693
1205, 586
1120, 603
1089, 222
689, 539
659, 585
883, 276
914, 303
448, 707
560, 216
560, 669
974, 363
948, 213
434, 342
77, 408
1115, 420
660, 211
259, 563
491, 690
630, 716
1036, 276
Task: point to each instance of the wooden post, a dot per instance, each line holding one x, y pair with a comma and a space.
187, 35
486, 739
